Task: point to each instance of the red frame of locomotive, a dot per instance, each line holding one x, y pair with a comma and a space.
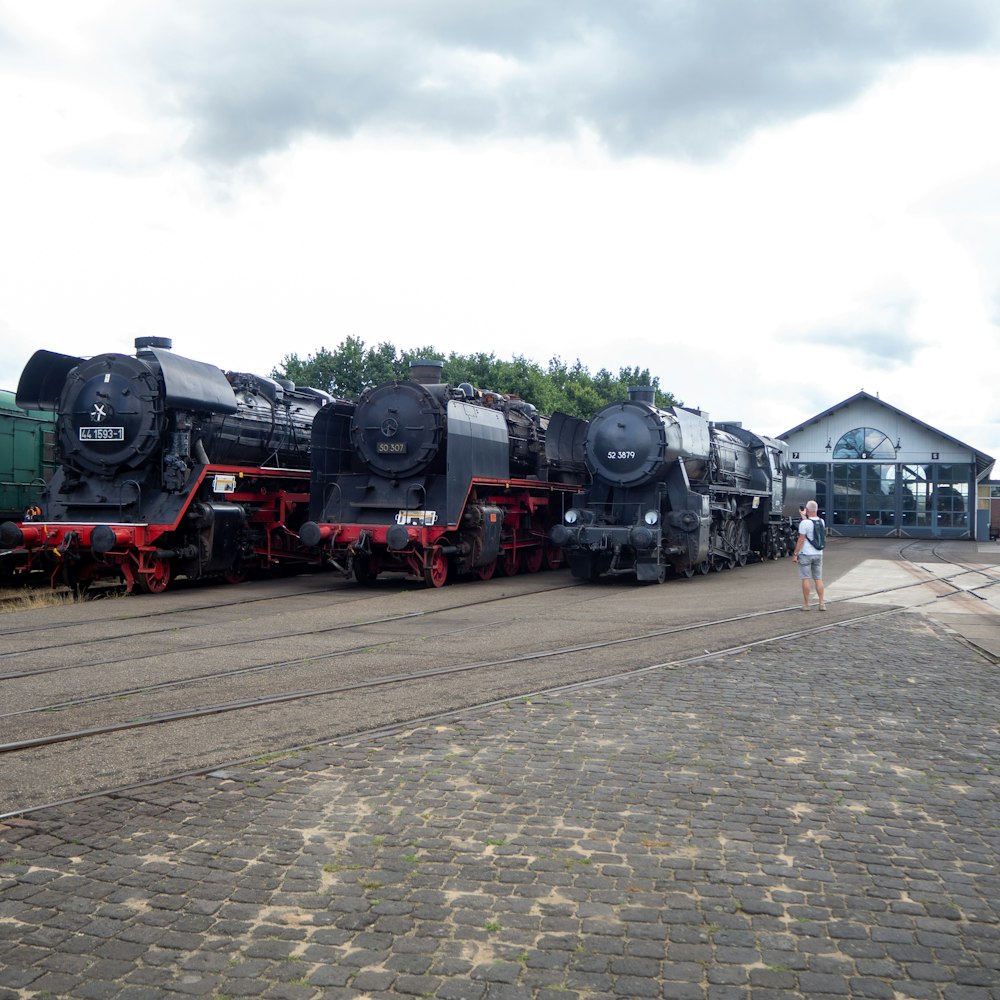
428, 549
272, 496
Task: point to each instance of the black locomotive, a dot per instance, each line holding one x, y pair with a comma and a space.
673, 491
166, 466
434, 480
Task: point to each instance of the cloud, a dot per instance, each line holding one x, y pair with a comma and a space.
877, 333
684, 78
279, 175
882, 350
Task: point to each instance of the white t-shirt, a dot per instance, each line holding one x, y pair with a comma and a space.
805, 528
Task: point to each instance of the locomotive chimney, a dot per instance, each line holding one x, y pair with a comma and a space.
145, 343
426, 371
642, 394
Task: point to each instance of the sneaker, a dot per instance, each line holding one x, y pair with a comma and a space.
805, 607
822, 607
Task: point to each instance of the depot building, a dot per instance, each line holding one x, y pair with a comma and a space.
881, 472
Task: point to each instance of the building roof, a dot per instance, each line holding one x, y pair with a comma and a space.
984, 462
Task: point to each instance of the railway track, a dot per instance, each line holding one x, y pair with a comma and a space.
146, 689
914, 553
214, 644
362, 687
370, 681
153, 607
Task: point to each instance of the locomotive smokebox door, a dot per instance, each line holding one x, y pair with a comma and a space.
629, 443
398, 429
111, 417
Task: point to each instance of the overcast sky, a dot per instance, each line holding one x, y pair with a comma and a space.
772, 204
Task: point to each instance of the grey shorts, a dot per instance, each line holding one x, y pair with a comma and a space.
810, 567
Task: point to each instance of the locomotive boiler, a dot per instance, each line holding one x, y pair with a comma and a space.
165, 466
674, 492
435, 480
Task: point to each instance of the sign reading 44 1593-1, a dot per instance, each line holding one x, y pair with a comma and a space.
102, 433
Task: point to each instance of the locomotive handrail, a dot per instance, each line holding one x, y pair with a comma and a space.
415, 486
328, 493
43, 491
121, 502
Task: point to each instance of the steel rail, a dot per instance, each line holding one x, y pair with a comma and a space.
382, 732
420, 675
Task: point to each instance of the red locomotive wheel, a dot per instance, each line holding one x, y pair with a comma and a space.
509, 562
486, 572
533, 559
237, 573
157, 581
553, 557
436, 569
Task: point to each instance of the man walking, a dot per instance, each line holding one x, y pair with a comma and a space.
809, 558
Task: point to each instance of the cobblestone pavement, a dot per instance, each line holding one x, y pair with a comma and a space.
814, 819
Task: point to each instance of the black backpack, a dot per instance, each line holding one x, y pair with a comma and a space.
818, 540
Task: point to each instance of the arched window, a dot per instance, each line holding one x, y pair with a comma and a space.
864, 442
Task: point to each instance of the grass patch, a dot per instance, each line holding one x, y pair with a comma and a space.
32, 599
333, 867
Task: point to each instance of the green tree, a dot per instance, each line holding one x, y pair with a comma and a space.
352, 367
348, 370
339, 372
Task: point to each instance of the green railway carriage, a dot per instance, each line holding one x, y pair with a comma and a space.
26, 456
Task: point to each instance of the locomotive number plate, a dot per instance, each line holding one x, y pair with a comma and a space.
417, 518
390, 447
102, 433
620, 454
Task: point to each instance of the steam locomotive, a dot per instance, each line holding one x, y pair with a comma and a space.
166, 466
434, 480
674, 492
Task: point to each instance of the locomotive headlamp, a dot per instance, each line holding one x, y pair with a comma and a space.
572, 516
651, 517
